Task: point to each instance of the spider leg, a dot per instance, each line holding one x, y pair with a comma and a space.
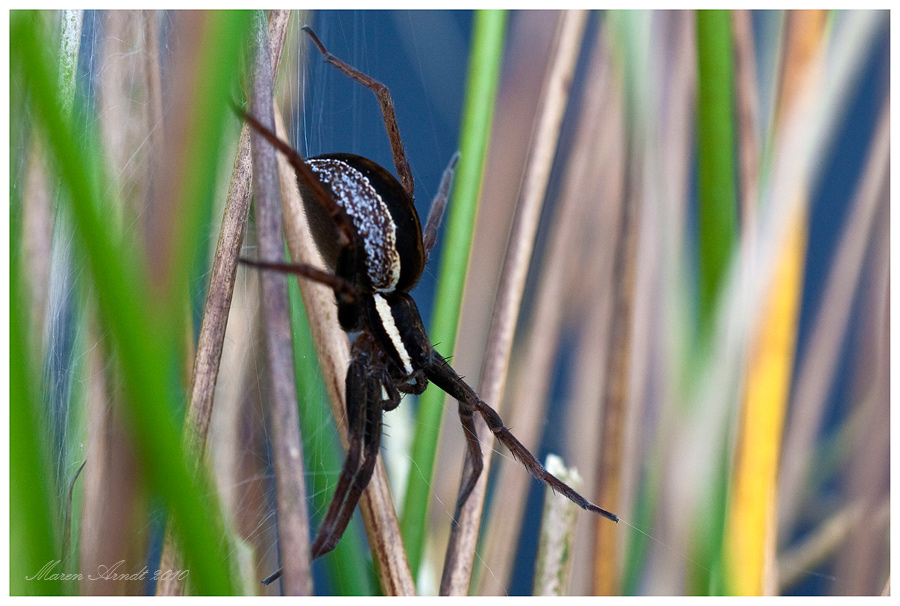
345, 291
306, 176
442, 374
429, 234
467, 419
374, 380
387, 110
357, 421
333, 525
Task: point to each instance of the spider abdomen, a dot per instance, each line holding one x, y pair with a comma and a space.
390, 254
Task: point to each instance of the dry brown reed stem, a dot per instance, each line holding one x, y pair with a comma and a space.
592, 306
221, 289
826, 539
464, 534
293, 531
863, 560
747, 103
527, 50
332, 346
817, 368
621, 345
218, 305
212, 330
666, 157
615, 398
113, 495
562, 271
278, 26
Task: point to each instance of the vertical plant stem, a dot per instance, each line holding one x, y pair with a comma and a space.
321, 452
483, 79
717, 213
562, 274
216, 310
289, 471
554, 100
750, 539
716, 222
32, 542
616, 374
553, 567
747, 107
616, 377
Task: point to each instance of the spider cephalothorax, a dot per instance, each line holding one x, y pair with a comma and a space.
365, 224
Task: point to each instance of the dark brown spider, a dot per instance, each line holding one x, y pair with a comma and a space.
365, 224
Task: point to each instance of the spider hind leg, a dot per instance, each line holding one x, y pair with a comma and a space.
442, 374
369, 393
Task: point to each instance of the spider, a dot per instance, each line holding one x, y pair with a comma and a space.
365, 224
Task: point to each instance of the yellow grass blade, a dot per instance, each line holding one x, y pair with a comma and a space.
750, 533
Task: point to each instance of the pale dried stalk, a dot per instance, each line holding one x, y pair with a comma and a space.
528, 46
217, 307
112, 493
290, 485
332, 346
665, 163
593, 295
616, 386
747, 102
619, 354
825, 540
553, 568
864, 558
818, 365
562, 271
464, 535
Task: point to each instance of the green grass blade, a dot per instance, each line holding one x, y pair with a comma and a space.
149, 359
717, 234
322, 451
717, 205
32, 543
483, 80
215, 85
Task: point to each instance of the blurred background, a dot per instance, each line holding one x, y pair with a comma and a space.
704, 326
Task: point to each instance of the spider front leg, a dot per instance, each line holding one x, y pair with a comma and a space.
442, 374
438, 204
387, 110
